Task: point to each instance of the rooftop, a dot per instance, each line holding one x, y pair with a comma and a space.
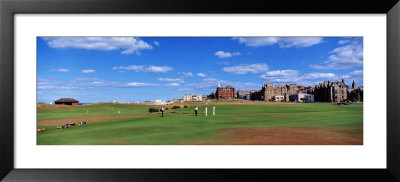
66, 100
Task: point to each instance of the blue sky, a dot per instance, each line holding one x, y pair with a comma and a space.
130, 69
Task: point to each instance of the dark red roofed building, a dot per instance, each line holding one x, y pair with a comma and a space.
225, 93
67, 101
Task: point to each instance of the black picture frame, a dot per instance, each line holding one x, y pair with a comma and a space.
9, 8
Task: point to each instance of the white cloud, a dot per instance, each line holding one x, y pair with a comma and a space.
222, 54
283, 73
84, 82
347, 56
46, 83
187, 74
281, 76
201, 74
317, 75
156, 43
129, 68
158, 69
356, 75
169, 79
127, 45
246, 68
174, 84
257, 41
299, 42
280, 79
62, 70
345, 41
151, 68
52, 83
138, 84
283, 42
88, 71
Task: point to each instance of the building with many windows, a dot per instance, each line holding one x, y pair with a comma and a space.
225, 93
330, 91
192, 97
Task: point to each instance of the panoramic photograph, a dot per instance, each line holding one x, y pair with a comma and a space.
199, 91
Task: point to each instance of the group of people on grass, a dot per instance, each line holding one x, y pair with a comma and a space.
195, 111
70, 124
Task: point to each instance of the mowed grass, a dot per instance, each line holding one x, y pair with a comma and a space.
182, 127
49, 112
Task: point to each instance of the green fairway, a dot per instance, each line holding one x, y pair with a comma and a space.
180, 126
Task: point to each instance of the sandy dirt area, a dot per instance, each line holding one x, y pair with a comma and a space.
285, 136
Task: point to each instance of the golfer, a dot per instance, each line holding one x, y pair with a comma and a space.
205, 110
213, 110
162, 112
195, 110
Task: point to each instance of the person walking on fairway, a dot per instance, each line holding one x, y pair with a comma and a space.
195, 110
213, 110
205, 110
162, 112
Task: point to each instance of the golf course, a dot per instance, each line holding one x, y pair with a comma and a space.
234, 123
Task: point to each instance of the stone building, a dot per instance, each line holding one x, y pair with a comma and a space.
358, 91
268, 93
330, 91
323, 92
192, 97
256, 95
250, 95
240, 94
286, 91
245, 95
187, 97
310, 90
197, 97
225, 93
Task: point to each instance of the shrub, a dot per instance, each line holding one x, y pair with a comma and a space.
153, 110
185, 106
176, 107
